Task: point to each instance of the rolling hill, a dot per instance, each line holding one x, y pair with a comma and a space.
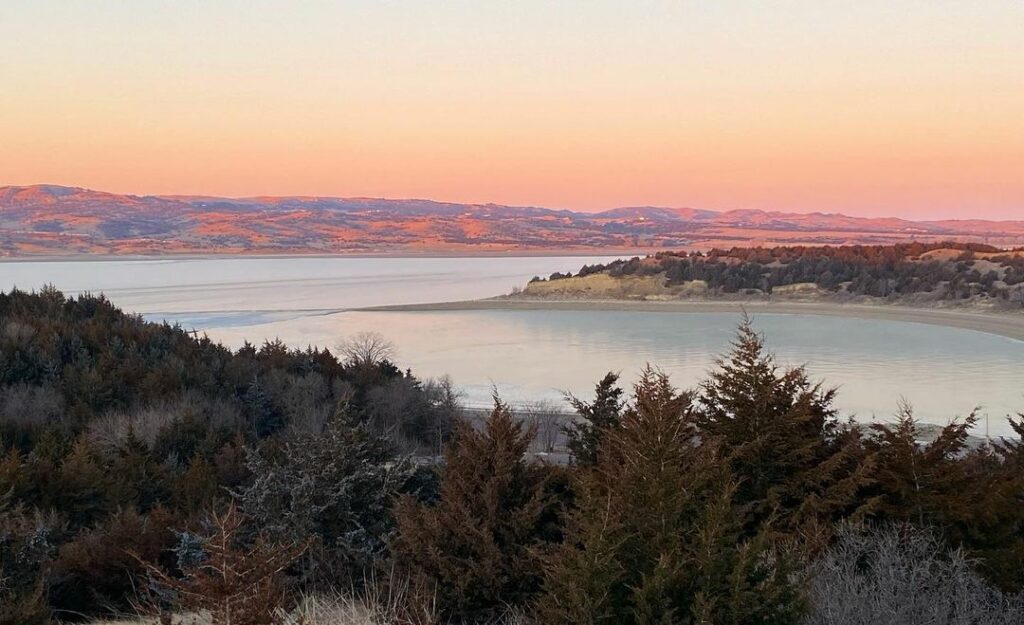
50, 220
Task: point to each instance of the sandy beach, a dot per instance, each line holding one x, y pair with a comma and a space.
1002, 324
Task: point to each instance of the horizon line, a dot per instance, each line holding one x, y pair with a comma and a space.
502, 205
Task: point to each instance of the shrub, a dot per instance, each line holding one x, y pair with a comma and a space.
337, 486
900, 574
478, 549
27, 545
95, 573
234, 584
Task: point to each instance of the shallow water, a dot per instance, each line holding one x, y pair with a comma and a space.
536, 355
210, 292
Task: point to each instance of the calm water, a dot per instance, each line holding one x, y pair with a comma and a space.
536, 355
213, 292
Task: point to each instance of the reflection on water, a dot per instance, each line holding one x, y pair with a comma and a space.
528, 355
943, 372
252, 288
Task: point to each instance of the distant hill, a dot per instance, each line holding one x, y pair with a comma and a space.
54, 220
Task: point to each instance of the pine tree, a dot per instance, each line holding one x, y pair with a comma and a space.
196, 488
478, 549
793, 459
137, 479
972, 497
95, 572
84, 486
922, 483
598, 417
656, 535
265, 417
14, 478
1003, 555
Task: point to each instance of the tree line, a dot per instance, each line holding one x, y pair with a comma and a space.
147, 469
884, 271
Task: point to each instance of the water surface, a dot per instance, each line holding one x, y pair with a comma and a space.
536, 355
233, 291
529, 355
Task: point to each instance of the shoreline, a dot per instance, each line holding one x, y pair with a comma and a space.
522, 253
1000, 324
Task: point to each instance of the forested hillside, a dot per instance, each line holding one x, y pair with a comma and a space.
144, 469
916, 272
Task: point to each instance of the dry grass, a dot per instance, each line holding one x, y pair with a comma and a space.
369, 608
600, 285
340, 609
152, 620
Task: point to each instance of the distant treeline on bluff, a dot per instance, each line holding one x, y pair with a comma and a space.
937, 271
145, 469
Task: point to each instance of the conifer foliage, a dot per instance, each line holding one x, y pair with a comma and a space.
972, 497
583, 436
657, 536
922, 480
793, 459
1003, 551
116, 430
678, 507
479, 548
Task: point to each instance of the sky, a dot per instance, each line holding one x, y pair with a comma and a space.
912, 108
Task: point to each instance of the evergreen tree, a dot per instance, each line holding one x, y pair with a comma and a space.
265, 417
94, 572
1003, 555
922, 483
478, 549
657, 536
137, 479
196, 488
598, 417
84, 486
972, 497
793, 459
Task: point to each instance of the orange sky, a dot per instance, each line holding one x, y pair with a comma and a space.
912, 108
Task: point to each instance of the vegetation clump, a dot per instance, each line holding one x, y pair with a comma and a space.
480, 547
948, 272
658, 535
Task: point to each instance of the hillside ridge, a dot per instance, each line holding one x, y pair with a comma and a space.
54, 220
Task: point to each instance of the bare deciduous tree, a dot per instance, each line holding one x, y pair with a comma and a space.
898, 575
446, 400
545, 417
29, 404
366, 348
147, 421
